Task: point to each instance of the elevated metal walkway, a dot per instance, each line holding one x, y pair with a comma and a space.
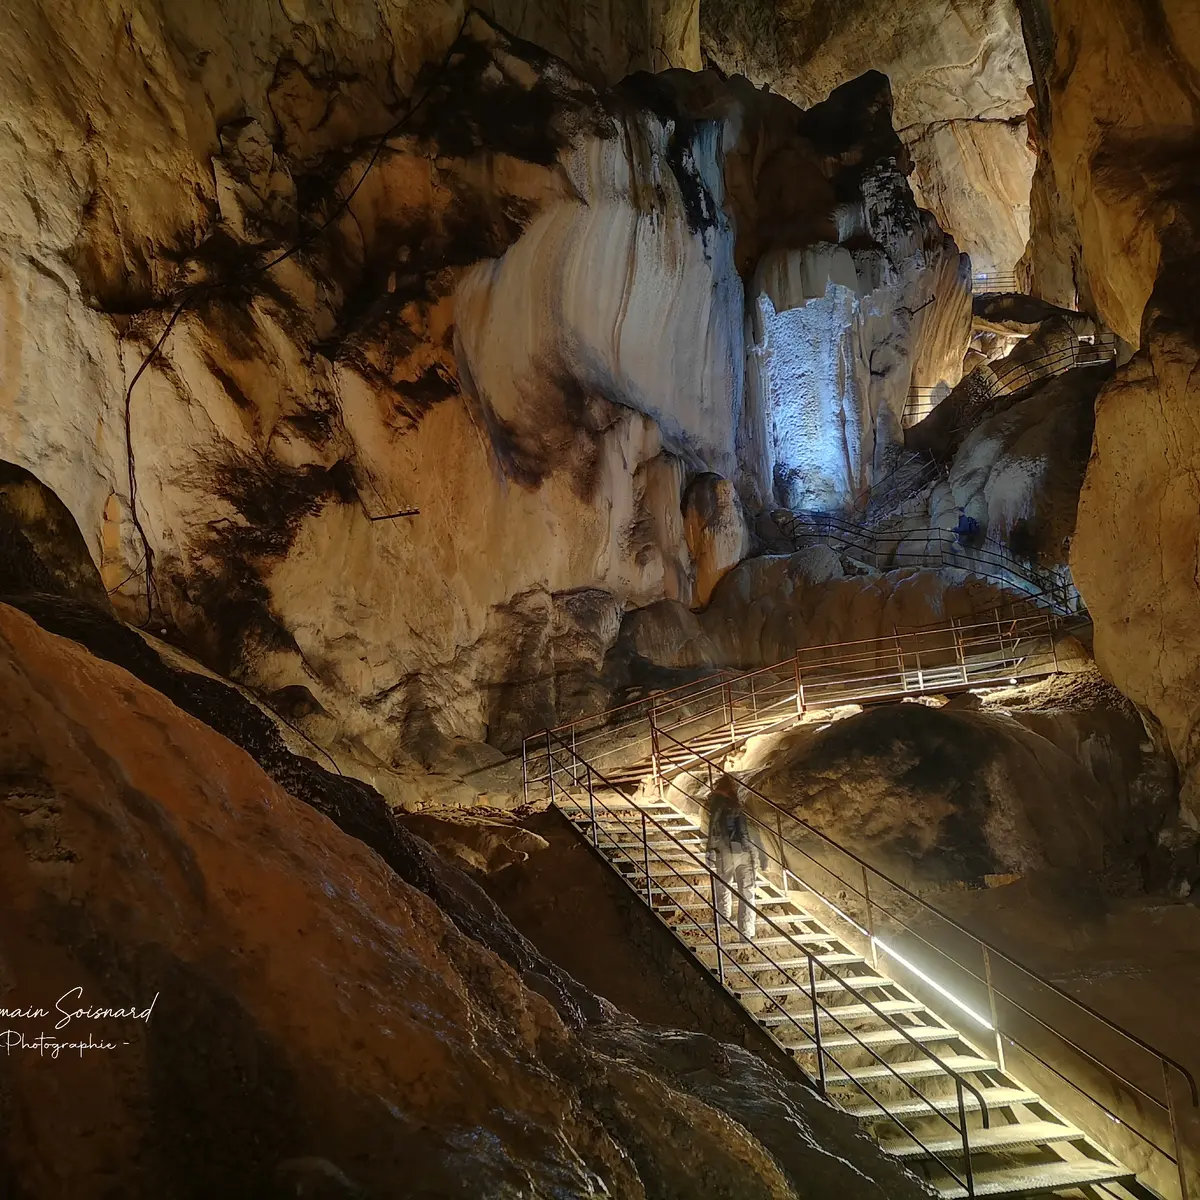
899, 1015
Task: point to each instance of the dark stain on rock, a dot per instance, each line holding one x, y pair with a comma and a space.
650, 92
416, 397
478, 107
273, 501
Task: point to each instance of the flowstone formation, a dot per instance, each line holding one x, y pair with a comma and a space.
519, 307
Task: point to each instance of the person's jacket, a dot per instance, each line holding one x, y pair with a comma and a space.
730, 831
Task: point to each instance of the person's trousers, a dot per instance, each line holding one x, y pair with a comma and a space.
743, 878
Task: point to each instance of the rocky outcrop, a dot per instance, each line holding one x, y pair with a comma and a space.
1117, 92
1117, 220
304, 1017
1135, 551
959, 75
715, 526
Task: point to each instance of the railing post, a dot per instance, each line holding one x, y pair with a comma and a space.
816, 1012
959, 649
728, 691
782, 853
654, 754
1053, 647
646, 861
753, 699
799, 688
550, 767
900, 658
870, 918
591, 791
574, 757
716, 911
920, 675
991, 991
525, 770
966, 1140
1173, 1116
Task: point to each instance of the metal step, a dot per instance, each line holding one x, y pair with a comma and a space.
823, 985
919, 1068
1023, 1135
851, 1012
876, 1038
1037, 1180
997, 1097
789, 964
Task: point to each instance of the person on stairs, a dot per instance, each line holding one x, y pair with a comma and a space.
733, 853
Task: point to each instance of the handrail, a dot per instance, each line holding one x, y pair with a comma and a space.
657, 699
1006, 636
814, 964
1162, 1057
1005, 378
883, 546
989, 282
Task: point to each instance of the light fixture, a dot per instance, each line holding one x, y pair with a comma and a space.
882, 945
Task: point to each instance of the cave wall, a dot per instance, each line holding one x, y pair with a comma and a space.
522, 313
1117, 218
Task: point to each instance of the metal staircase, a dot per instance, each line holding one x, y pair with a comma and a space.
924, 1054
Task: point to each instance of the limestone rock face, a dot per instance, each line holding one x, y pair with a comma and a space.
959, 74
1117, 220
1116, 134
975, 176
1136, 553
315, 1020
522, 313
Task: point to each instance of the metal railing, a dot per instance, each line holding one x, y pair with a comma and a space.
1006, 378
921, 401
734, 706
705, 918
910, 542
1009, 376
865, 889
987, 282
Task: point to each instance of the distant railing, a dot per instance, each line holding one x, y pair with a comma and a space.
1006, 378
989, 282
920, 403
910, 542
949, 656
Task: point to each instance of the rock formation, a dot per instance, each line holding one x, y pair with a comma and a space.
1116, 221
938, 796
960, 78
